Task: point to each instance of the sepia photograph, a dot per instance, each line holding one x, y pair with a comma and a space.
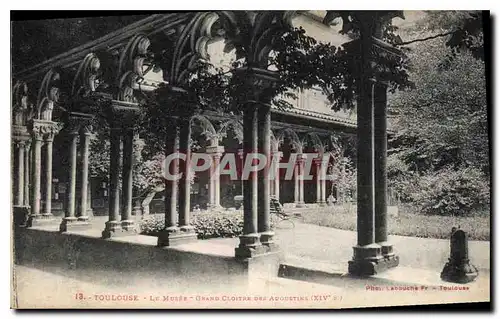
250, 159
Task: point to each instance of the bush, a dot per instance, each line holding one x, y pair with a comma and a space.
207, 224
450, 192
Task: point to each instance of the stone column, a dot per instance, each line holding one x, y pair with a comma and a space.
27, 161
170, 235
48, 177
185, 182
36, 174
249, 242
113, 225
318, 181
380, 121
296, 198
264, 183
69, 215
368, 259
323, 167
90, 211
366, 253
84, 166
240, 156
215, 152
19, 198
301, 181
277, 158
127, 222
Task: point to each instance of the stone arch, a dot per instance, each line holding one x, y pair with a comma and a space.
315, 141
334, 146
207, 127
274, 143
236, 125
294, 138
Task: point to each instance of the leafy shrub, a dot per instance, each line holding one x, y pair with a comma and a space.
207, 224
450, 192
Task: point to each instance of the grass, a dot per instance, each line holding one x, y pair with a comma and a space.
406, 224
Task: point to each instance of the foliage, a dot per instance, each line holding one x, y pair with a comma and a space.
406, 224
440, 156
452, 104
344, 177
448, 191
464, 29
207, 224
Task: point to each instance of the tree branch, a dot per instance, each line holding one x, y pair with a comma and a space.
426, 39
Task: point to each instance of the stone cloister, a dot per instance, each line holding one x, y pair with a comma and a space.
56, 97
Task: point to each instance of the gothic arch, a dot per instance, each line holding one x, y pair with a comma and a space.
235, 124
294, 138
207, 127
315, 141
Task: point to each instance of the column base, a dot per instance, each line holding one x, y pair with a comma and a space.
300, 204
321, 204
90, 212
386, 249
266, 240
116, 229
250, 247
83, 219
459, 272
72, 223
21, 215
174, 236
368, 261
128, 225
40, 220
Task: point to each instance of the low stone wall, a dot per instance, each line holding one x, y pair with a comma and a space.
114, 260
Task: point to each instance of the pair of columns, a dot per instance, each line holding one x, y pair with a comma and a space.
299, 181
178, 229
321, 181
373, 253
120, 223
257, 237
70, 220
22, 157
42, 132
215, 152
298, 174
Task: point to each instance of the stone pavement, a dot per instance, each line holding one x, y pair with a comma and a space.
334, 246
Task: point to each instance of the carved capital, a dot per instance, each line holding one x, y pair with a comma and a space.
123, 115
260, 82
45, 130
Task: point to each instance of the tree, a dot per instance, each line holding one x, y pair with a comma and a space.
441, 123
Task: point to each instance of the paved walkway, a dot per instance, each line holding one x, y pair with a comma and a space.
334, 246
